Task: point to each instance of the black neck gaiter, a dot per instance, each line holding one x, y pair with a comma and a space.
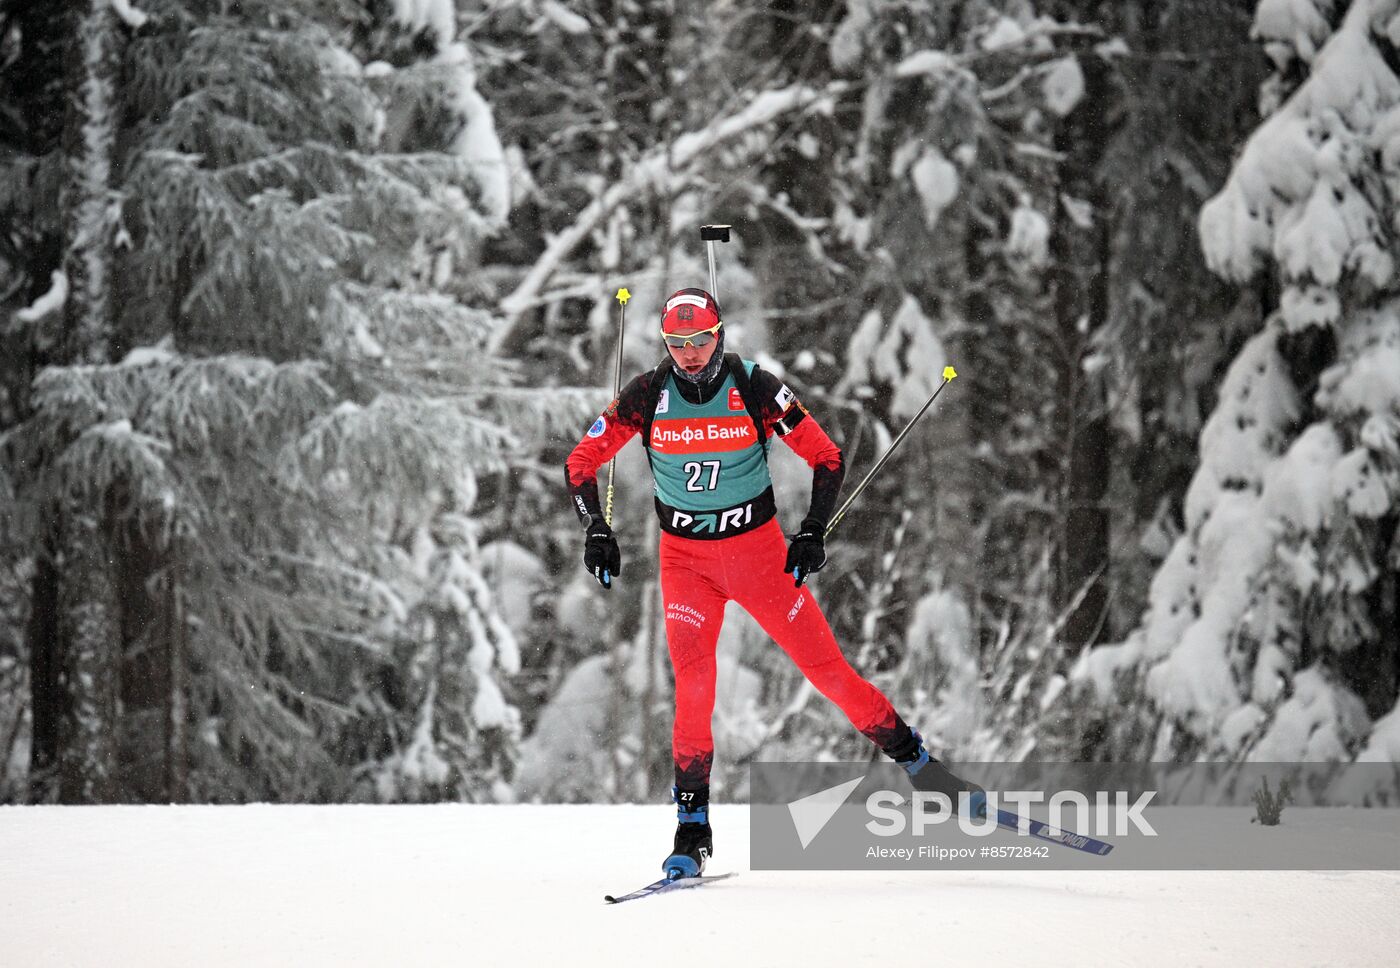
704, 383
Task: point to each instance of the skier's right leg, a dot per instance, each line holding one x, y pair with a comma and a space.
693, 604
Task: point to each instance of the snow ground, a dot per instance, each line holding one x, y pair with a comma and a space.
523, 885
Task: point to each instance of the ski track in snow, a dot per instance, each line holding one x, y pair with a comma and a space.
524, 885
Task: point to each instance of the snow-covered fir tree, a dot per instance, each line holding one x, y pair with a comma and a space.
1271, 632
291, 438
356, 251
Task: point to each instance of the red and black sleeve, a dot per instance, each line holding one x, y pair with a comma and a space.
784, 416
617, 424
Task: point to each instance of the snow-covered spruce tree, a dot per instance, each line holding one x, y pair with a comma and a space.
31, 254
287, 452
73, 679
1173, 326
1157, 332
441, 726
945, 194
1272, 628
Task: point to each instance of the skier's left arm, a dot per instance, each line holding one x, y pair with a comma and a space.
785, 417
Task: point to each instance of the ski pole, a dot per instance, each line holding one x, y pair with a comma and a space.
710, 234
948, 374
622, 296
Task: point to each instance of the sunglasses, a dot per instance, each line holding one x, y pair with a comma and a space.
701, 338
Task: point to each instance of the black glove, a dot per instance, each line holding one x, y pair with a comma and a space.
601, 555
807, 552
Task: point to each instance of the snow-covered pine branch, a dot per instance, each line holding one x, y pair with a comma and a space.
1305, 192
666, 170
130, 15
51, 301
399, 445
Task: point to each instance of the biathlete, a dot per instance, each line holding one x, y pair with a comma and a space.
706, 419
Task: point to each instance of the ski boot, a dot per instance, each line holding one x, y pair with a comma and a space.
694, 842
929, 775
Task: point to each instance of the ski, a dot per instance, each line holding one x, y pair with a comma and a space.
666, 884
1065, 838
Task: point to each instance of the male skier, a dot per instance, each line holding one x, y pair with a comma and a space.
706, 420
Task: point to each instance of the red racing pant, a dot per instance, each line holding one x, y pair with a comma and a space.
697, 579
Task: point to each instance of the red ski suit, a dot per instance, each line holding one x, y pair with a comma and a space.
699, 576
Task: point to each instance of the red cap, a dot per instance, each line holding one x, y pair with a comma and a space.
689, 310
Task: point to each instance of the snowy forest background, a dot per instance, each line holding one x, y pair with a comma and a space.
302, 304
